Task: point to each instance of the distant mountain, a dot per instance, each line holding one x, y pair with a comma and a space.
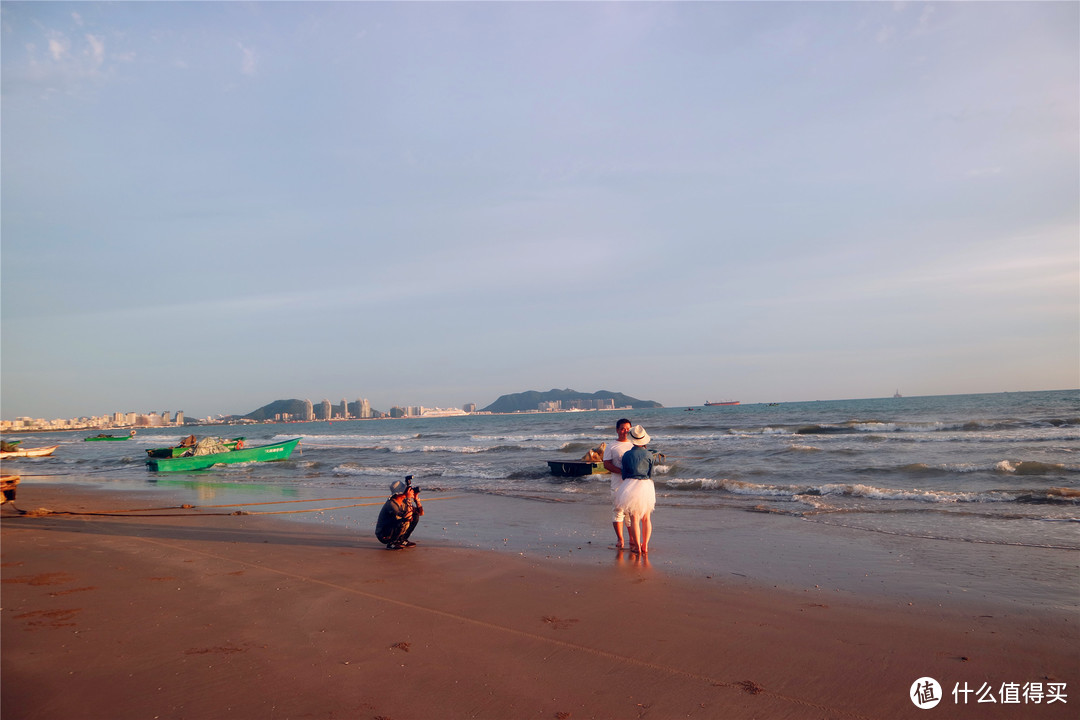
520, 402
295, 408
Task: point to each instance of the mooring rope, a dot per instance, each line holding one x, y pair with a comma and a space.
154, 512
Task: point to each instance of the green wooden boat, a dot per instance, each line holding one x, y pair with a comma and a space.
105, 437
178, 450
262, 453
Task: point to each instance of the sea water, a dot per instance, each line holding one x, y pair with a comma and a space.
993, 469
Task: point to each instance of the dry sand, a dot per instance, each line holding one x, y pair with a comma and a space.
256, 617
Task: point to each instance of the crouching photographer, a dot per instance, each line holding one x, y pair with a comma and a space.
399, 515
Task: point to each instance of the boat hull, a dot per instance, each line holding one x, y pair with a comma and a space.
575, 468
29, 452
726, 402
262, 453
8, 485
109, 438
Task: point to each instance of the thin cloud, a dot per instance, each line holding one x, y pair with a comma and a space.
58, 47
249, 61
924, 19
96, 51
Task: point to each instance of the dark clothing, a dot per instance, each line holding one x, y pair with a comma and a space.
396, 522
637, 463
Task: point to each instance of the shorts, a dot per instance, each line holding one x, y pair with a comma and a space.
618, 514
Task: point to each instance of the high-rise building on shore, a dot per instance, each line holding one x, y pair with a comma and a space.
114, 420
309, 411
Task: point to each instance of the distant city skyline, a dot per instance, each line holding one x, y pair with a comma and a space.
324, 410
206, 204
133, 419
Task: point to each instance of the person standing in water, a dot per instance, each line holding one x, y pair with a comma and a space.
613, 464
637, 496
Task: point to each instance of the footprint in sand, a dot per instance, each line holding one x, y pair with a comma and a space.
42, 579
558, 624
40, 619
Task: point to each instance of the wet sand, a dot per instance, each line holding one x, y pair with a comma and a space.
210, 616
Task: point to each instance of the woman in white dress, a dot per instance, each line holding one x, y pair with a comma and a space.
637, 494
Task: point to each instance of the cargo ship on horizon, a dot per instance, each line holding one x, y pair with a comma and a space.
725, 402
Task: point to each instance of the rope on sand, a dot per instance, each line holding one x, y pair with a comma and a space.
81, 472
152, 512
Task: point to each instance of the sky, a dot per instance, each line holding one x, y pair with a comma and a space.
208, 206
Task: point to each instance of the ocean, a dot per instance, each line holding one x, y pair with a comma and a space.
996, 470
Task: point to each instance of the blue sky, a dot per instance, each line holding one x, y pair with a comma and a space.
210, 206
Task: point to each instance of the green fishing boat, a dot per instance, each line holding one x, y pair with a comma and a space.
186, 447
262, 453
106, 438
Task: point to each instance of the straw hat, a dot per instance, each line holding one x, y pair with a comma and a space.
398, 488
638, 436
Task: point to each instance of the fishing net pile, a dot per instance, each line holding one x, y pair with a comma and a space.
209, 446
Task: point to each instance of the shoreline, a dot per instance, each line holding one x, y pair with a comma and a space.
264, 617
731, 544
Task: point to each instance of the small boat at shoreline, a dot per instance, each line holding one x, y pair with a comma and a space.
105, 437
575, 468
29, 452
724, 402
8, 485
261, 453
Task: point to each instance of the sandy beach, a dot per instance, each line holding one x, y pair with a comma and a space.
243, 616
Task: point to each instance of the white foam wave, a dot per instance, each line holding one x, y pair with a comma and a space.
875, 426
933, 496
522, 438
739, 487
474, 472
352, 469
853, 490
692, 483
461, 449
346, 440
766, 430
